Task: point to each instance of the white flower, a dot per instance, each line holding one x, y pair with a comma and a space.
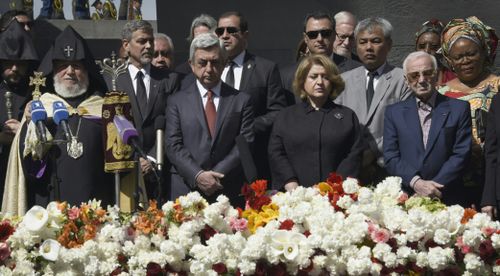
36, 218
350, 185
442, 236
495, 239
345, 202
439, 258
286, 243
473, 237
49, 250
472, 262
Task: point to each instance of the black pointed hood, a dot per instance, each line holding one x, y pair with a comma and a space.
71, 46
16, 43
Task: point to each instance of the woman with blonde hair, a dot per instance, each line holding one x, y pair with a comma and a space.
316, 136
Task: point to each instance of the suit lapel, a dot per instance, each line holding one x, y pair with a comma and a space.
360, 80
439, 115
197, 104
383, 86
225, 102
154, 86
248, 67
128, 86
410, 114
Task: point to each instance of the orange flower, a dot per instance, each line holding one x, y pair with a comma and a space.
259, 187
468, 214
324, 188
149, 221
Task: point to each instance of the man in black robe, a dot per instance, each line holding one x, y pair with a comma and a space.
71, 171
18, 58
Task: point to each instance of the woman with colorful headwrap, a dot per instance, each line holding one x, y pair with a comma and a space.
428, 39
469, 46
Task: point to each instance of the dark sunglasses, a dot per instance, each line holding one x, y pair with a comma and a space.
314, 34
415, 76
161, 53
230, 30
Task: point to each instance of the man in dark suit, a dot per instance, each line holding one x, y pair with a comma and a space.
319, 35
491, 192
427, 137
203, 122
255, 76
370, 88
147, 87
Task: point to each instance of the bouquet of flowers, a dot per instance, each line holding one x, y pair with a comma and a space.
335, 227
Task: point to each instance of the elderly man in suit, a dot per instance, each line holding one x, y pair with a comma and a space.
255, 76
427, 137
203, 122
147, 87
319, 36
372, 87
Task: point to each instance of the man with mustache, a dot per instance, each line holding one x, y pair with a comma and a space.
65, 168
147, 87
370, 88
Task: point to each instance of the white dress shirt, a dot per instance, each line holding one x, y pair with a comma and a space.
379, 70
146, 70
203, 94
237, 69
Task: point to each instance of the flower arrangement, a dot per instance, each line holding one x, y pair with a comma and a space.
336, 227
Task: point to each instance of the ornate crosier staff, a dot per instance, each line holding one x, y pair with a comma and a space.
37, 80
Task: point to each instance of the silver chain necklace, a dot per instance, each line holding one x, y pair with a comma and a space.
75, 148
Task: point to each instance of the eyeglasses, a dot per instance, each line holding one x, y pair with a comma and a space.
161, 53
324, 33
230, 30
344, 37
415, 76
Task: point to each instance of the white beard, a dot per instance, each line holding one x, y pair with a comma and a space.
72, 91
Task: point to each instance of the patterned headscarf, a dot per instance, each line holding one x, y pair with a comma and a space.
431, 26
471, 28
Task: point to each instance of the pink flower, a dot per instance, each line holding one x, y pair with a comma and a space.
371, 227
460, 244
73, 213
380, 235
488, 231
402, 198
4, 251
238, 224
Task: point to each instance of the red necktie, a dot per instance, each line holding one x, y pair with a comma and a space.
210, 113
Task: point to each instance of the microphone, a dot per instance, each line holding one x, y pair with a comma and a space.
128, 134
60, 117
38, 116
160, 135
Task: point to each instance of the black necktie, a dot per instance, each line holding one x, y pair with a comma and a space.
142, 97
370, 90
230, 74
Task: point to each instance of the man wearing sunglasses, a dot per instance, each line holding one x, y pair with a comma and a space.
163, 56
319, 35
427, 137
255, 76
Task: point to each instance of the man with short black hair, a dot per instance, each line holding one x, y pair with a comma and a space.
319, 35
370, 88
255, 76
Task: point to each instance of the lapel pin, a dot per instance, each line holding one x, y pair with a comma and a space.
338, 116
249, 66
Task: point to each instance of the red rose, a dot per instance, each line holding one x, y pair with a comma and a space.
486, 250
219, 268
278, 270
257, 202
206, 233
286, 225
6, 230
154, 269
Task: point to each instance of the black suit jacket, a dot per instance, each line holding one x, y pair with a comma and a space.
288, 73
163, 83
491, 192
307, 145
189, 146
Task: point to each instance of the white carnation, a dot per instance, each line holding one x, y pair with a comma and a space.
442, 236
350, 185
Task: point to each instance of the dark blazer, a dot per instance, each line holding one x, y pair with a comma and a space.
307, 145
190, 148
448, 146
288, 73
163, 83
491, 192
